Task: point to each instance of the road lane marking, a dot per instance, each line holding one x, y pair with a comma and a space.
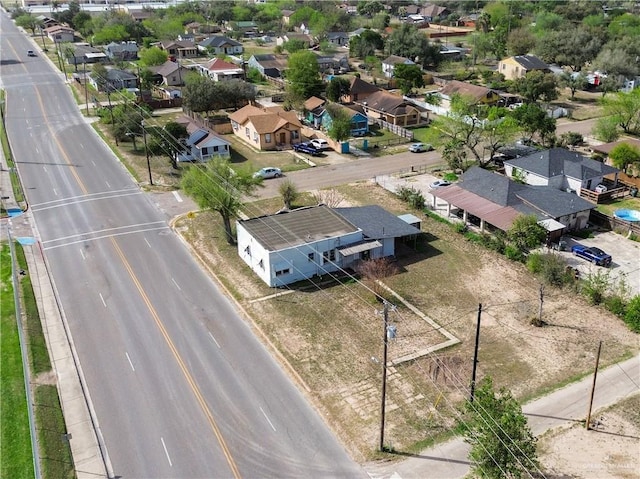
55, 192
177, 285
147, 241
70, 199
102, 299
130, 363
71, 203
267, 418
166, 452
214, 340
105, 230
177, 196
82, 254
86, 240
44, 168
181, 364
108, 185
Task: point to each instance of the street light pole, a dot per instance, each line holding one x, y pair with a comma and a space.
385, 316
146, 152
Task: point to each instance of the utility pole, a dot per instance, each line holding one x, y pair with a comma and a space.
113, 124
146, 152
593, 387
475, 355
385, 316
541, 302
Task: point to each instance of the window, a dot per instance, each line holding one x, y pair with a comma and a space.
255, 136
311, 257
246, 132
235, 125
329, 256
215, 148
247, 250
295, 134
267, 137
282, 272
261, 264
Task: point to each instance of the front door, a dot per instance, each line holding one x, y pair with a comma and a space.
283, 138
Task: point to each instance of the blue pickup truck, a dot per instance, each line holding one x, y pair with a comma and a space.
593, 254
306, 147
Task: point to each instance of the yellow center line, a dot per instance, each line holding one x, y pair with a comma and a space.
62, 150
181, 363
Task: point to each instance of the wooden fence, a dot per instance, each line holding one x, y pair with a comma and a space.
396, 129
613, 223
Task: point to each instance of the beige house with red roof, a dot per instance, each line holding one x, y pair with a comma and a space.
218, 70
267, 128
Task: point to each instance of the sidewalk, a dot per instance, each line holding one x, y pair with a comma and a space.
83, 433
569, 404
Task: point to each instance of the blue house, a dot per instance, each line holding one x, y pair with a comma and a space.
318, 114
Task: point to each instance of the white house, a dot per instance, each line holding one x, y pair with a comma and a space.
219, 70
559, 168
203, 145
389, 63
297, 245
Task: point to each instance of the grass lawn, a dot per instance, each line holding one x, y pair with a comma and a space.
56, 458
628, 203
15, 443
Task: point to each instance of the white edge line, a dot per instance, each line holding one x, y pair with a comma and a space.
166, 452
267, 418
147, 241
102, 237
177, 196
214, 339
102, 299
130, 363
177, 285
82, 254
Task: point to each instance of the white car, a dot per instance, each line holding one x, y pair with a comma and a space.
439, 184
320, 143
268, 172
420, 147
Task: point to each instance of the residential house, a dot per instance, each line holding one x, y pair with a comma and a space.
122, 51
46, 22
389, 63
247, 28
267, 128
478, 94
417, 20
393, 109
116, 80
140, 15
318, 115
220, 45
297, 245
338, 63
60, 33
359, 90
81, 53
308, 41
179, 49
357, 32
203, 144
434, 13
286, 17
561, 169
219, 70
452, 53
338, 39
606, 148
268, 64
491, 200
171, 73
518, 66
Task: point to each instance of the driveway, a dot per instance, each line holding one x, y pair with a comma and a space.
625, 254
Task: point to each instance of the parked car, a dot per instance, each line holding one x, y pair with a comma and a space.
320, 143
420, 147
439, 184
31, 53
593, 254
306, 147
268, 172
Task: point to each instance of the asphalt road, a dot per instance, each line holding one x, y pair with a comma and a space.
181, 386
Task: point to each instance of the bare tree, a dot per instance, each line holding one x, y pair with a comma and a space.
331, 198
374, 270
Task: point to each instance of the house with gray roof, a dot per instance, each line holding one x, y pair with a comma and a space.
519, 65
170, 73
338, 39
389, 63
561, 169
220, 45
297, 245
122, 51
496, 201
393, 109
202, 145
268, 64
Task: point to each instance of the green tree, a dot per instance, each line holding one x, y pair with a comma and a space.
168, 140
340, 128
573, 82
289, 193
408, 41
625, 108
408, 77
572, 46
198, 95
28, 22
99, 75
153, 56
303, 77
293, 45
502, 444
537, 85
520, 41
365, 44
111, 33
369, 8
533, 120
625, 155
632, 314
215, 186
337, 87
606, 129
526, 233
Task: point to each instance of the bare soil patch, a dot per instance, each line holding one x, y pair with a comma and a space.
331, 332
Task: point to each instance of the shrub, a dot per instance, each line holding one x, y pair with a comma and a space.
513, 253
404, 193
571, 138
595, 286
616, 305
460, 228
550, 267
632, 315
451, 177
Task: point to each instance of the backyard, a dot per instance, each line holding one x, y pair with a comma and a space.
330, 331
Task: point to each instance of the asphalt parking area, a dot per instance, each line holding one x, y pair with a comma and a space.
624, 252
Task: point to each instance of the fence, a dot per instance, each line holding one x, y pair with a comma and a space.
610, 194
613, 223
372, 143
396, 129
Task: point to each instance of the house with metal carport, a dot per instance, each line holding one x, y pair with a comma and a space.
292, 246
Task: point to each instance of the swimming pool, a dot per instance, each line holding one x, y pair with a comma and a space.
627, 215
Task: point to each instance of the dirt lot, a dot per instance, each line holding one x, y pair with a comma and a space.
609, 451
330, 332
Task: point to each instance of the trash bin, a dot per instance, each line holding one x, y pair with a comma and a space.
562, 246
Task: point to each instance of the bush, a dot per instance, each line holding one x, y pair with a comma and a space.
571, 138
460, 228
616, 305
451, 177
595, 286
632, 315
513, 253
550, 267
